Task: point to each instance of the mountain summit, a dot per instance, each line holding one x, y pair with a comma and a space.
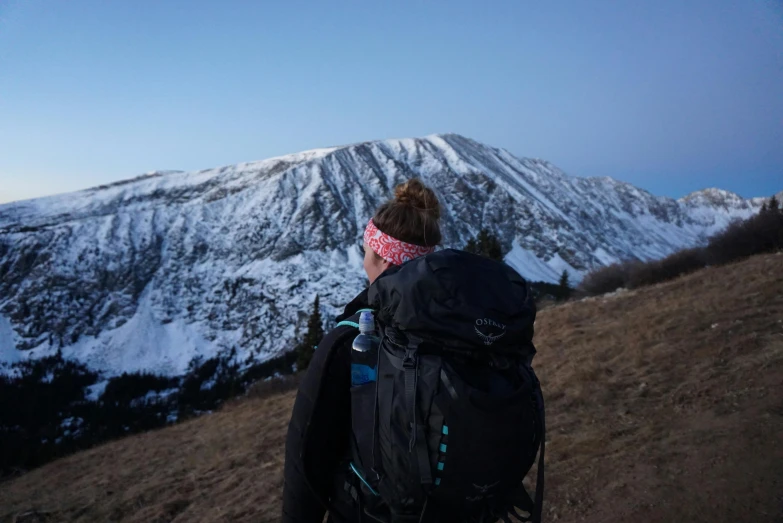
148, 273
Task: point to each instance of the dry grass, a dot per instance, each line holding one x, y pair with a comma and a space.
221, 467
664, 405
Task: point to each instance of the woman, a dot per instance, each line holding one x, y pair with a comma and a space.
317, 445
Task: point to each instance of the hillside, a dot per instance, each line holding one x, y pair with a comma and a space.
149, 273
664, 405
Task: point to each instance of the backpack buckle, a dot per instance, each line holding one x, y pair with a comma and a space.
409, 361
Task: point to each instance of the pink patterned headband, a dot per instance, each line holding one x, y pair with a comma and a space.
391, 249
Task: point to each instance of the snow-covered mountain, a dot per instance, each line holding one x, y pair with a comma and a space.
147, 273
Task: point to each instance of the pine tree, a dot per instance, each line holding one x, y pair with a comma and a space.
774, 206
313, 336
564, 286
485, 244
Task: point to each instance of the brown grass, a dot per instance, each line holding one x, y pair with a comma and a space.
665, 404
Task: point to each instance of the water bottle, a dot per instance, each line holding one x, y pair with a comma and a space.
364, 356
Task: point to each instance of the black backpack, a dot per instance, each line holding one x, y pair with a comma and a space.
455, 418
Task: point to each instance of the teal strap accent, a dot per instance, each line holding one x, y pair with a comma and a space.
437, 481
445, 430
353, 468
440, 466
346, 323
443, 447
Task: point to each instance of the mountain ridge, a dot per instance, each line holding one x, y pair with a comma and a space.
327, 150
148, 273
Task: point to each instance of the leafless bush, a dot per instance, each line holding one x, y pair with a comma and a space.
758, 234
673, 266
606, 279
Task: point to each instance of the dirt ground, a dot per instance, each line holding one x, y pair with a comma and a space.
665, 404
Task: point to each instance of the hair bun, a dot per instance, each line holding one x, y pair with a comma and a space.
417, 195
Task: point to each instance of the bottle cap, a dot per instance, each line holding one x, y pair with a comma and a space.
366, 322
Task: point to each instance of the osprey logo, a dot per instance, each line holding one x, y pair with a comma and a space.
483, 490
490, 338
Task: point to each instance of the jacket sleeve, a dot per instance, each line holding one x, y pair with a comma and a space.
319, 431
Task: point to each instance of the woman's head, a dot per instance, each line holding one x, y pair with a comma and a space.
402, 229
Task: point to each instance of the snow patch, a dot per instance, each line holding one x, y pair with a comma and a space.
530, 266
153, 396
558, 265
9, 354
95, 390
143, 343
604, 257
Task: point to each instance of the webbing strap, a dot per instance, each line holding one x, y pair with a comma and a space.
538, 506
418, 441
521, 498
409, 369
423, 458
447, 383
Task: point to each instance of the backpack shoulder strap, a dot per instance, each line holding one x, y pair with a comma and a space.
329, 346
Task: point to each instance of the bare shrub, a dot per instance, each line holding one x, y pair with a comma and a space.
606, 279
758, 234
673, 266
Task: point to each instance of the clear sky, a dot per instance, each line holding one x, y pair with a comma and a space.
672, 96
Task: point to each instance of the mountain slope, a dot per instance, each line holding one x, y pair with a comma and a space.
151, 272
663, 405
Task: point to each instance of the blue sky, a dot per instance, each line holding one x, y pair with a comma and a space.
672, 96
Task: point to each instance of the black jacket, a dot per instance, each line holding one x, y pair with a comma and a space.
317, 444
